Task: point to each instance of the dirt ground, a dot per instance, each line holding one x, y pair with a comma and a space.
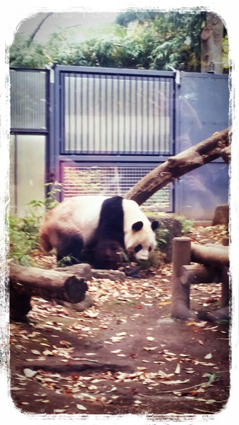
123, 355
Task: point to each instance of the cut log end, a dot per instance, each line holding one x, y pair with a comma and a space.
75, 289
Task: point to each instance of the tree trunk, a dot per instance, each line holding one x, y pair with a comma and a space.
211, 44
26, 282
178, 165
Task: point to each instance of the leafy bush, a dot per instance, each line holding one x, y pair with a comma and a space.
23, 231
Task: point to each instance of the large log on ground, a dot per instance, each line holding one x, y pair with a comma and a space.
26, 282
178, 165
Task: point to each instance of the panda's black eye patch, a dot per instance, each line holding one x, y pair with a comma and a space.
150, 248
138, 248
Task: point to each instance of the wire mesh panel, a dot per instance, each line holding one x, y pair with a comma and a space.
116, 114
28, 99
110, 181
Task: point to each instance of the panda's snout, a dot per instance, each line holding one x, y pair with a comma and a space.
142, 256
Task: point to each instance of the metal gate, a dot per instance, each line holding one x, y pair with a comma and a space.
112, 127
100, 131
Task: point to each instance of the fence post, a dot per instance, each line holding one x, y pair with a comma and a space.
181, 292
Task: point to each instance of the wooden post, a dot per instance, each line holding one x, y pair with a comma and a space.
181, 291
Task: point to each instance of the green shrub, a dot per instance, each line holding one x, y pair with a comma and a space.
24, 231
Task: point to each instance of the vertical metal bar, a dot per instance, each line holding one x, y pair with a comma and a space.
130, 114
106, 113
124, 112
112, 116
75, 98
147, 79
15, 172
118, 149
87, 115
81, 100
142, 127
100, 100
93, 110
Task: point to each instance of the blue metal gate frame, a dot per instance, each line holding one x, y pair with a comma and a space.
57, 157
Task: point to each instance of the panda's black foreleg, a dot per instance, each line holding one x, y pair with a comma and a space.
70, 247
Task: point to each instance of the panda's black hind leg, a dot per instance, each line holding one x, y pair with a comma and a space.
71, 247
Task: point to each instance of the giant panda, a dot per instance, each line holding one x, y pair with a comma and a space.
85, 221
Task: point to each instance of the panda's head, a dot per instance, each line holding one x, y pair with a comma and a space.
140, 239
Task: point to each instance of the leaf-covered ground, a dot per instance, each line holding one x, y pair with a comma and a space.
125, 354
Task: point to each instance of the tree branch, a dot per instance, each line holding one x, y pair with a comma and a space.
176, 166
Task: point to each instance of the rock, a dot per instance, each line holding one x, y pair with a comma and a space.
221, 215
108, 274
169, 228
83, 305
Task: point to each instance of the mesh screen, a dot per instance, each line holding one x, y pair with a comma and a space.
28, 99
110, 181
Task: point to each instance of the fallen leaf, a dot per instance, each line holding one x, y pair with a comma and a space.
29, 373
174, 382
208, 356
150, 338
165, 302
178, 369
65, 343
200, 342
133, 355
150, 348
36, 352
80, 407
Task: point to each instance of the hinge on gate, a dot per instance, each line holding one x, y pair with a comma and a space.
177, 73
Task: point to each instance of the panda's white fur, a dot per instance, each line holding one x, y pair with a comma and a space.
79, 217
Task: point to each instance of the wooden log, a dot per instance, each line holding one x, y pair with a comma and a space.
178, 165
210, 255
198, 273
26, 282
181, 292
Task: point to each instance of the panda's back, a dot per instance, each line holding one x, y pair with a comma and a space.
79, 214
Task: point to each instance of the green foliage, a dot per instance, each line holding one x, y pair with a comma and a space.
51, 201
186, 224
161, 237
23, 234
138, 39
23, 55
23, 231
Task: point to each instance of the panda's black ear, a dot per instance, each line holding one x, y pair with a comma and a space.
154, 225
137, 226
